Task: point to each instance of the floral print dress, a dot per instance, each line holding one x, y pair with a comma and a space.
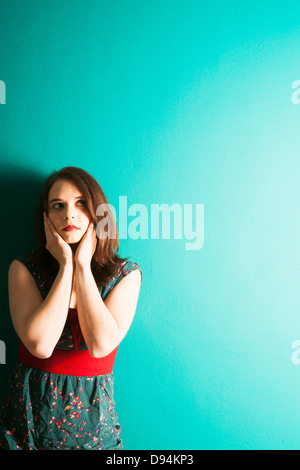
47, 411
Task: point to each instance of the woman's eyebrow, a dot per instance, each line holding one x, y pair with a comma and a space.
56, 199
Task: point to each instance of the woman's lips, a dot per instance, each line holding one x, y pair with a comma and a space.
69, 228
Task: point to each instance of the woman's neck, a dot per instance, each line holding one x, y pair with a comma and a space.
74, 247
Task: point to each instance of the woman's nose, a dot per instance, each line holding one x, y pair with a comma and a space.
69, 214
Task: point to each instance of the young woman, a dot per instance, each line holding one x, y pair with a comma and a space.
72, 301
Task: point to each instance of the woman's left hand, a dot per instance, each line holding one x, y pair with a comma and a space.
86, 248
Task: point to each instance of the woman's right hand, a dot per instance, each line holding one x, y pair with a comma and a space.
55, 243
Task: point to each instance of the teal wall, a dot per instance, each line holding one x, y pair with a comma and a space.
186, 102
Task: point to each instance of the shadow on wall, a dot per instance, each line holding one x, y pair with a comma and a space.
19, 193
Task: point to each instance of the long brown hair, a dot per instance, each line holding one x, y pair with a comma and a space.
105, 261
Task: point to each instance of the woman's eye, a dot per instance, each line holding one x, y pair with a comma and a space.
81, 201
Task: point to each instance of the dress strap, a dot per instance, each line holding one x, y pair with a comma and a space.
124, 269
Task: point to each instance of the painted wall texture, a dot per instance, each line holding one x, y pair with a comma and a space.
173, 102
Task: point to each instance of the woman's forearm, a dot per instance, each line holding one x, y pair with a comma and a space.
44, 327
99, 328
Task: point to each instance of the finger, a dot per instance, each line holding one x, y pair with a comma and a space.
50, 222
49, 236
89, 229
95, 240
93, 231
50, 227
46, 226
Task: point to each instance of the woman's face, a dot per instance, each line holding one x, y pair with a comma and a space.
67, 206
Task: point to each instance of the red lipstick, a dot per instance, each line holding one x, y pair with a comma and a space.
69, 228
